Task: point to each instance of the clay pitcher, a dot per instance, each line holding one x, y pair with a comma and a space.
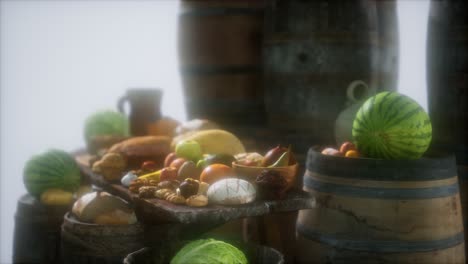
144, 108
356, 93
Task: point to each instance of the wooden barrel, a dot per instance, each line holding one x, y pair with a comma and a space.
219, 45
447, 72
376, 211
314, 49
447, 80
92, 243
463, 178
37, 231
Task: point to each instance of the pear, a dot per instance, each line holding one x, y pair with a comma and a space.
283, 161
273, 155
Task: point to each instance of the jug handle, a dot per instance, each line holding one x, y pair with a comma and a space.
121, 102
350, 91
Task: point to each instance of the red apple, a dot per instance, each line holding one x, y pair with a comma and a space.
148, 166
168, 174
347, 146
169, 158
177, 163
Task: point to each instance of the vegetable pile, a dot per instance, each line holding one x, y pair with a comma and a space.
105, 123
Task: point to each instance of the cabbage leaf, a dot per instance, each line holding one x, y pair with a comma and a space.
206, 251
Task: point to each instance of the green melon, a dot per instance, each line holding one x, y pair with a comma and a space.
390, 125
51, 169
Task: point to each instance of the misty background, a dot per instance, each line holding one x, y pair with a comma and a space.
60, 61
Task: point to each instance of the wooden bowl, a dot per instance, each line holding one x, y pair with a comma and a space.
250, 173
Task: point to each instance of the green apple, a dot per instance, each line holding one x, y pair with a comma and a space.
189, 149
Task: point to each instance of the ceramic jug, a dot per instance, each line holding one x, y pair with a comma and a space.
357, 92
144, 108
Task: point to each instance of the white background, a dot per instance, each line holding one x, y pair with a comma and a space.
62, 60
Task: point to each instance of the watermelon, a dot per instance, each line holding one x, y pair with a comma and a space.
390, 125
106, 122
51, 169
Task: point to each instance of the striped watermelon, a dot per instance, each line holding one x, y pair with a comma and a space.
390, 125
51, 169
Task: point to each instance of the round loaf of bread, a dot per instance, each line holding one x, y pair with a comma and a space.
231, 191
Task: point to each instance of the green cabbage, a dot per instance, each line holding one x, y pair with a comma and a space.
106, 122
206, 251
52, 169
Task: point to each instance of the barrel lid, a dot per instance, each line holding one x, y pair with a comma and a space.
434, 166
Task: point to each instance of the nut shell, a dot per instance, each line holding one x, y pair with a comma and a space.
169, 185
174, 198
147, 191
163, 193
136, 184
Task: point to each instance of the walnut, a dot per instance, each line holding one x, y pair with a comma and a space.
163, 193
175, 198
147, 191
169, 185
136, 184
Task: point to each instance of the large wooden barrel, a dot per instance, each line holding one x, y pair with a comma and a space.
447, 72
92, 244
219, 45
463, 178
37, 231
314, 49
447, 80
378, 211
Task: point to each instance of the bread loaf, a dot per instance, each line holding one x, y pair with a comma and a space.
231, 192
91, 205
116, 217
140, 149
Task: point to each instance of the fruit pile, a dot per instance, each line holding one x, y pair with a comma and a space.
347, 149
192, 178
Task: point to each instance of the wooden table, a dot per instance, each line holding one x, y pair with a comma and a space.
170, 221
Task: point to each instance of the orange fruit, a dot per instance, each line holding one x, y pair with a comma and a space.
352, 154
215, 172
